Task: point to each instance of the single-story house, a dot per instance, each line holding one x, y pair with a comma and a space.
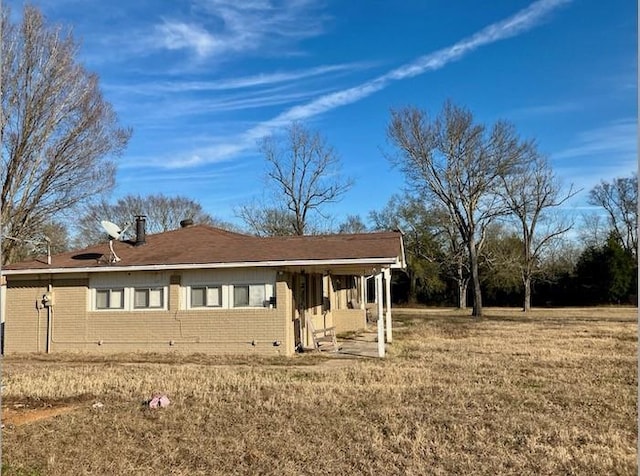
199, 289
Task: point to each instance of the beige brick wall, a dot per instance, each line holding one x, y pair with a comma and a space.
349, 320
69, 315
340, 315
76, 328
219, 331
23, 323
26, 320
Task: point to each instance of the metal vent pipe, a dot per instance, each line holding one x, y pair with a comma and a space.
141, 232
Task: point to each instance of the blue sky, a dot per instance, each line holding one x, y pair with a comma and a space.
201, 81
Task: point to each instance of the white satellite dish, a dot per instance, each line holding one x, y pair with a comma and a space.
115, 232
112, 229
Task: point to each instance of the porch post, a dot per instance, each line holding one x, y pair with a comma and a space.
387, 288
379, 298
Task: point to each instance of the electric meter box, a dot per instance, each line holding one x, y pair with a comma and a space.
47, 299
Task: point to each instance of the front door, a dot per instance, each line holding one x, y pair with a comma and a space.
307, 304
299, 308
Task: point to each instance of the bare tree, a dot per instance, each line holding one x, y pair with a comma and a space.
501, 261
51, 238
420, 229
163, 214
530, 195
455, 260
304, 172
593, 230
619, 198
59, 136
353, 224
266, 221
459, 163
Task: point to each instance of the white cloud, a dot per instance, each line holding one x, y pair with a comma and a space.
178, 35
545, 109
615, 142
239, 26
241, 82
250, 21
522, 21
611, 151
518, 23
162, 111
512, 26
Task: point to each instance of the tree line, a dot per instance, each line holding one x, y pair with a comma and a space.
482, 214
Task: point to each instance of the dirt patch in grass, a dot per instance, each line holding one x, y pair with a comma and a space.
25, 410
17, 415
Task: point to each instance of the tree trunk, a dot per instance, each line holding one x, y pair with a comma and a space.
413, 284
463, 283
527, 293
462, 293
475, 279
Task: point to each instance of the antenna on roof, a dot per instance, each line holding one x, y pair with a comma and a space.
35, 243
115, 233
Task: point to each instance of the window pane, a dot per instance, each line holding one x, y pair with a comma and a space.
240, 296
213, 297
102, 299
116, 299
155, 298
141, 298
197, 297
256, 295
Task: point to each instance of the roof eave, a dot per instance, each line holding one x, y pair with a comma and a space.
394, 262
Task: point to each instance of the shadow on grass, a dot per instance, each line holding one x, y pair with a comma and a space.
568, 316
306, 358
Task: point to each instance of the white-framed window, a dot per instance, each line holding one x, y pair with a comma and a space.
109, 299
206, 296
148, 298
249, 295
214, 290
128, 299
128, 292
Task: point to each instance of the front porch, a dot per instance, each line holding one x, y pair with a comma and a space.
342, 302
360, 345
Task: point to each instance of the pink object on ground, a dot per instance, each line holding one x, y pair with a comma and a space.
159, 401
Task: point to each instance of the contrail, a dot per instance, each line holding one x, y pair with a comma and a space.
522, 21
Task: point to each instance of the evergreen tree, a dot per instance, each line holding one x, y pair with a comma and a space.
607, 274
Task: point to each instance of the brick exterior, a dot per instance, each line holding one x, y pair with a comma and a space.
97, 303
27, 320
71, 325
349, 320
74, 327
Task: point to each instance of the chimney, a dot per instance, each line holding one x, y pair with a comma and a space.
141, 221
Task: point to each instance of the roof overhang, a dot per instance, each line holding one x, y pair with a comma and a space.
360, 263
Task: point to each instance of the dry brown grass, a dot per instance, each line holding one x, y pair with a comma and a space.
551, 392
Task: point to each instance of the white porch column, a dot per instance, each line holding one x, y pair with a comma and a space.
387, 289
380, 315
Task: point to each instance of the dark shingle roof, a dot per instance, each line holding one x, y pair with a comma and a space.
207, 245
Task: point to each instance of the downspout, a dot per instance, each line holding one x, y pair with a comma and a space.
49, 319
38, 329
